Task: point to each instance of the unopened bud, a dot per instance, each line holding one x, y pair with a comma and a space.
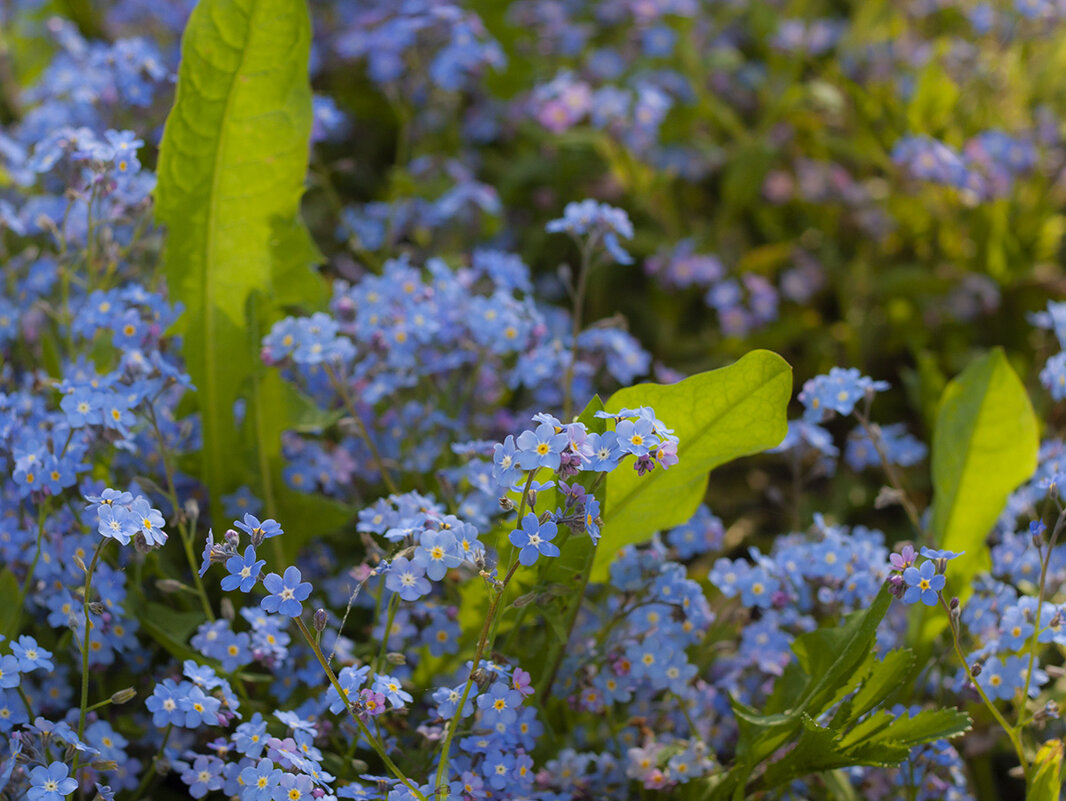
192, 509
162, 767
320, 619
481, 679
954, 604
226, 607
233, 538
975, 669
169, 585
888, 496
531, 498
104, 764
359, 766
80, 563
524, 600
896, 585
123, 696
506, 504
97, 608
395, 658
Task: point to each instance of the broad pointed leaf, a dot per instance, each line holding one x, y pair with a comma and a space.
1046, 781
718, 416
231, 172
985, 445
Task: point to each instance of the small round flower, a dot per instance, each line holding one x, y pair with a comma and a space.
116, 522
243, 571
285, 593
165, 704
51, 783
259, 530
199, 709
437, 552
535, 539
903, 559
923, 584
541, 448
635, 436
294, 787
148, 521
407, 578
30, 655
259, 781
505, 468
9, 672
499, 704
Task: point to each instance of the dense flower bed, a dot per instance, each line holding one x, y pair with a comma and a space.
362, 366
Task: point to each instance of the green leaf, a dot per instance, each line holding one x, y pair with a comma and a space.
926, 726
985, 444
231, 171
718, 416
10, 604
1045, 783
884, 678
829, 658
839, 786
274, 406
819, 749
933, 101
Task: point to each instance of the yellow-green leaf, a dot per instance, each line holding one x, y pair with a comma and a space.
1045, 783
231, 173
985, 445
718, 416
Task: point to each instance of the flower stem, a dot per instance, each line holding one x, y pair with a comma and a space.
183, 531
150, 773
1033, 641
1015, 739
894, 478
374, 744
364, 435
579, 305
453, 724
85, 644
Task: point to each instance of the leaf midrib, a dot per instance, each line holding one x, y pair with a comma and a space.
211, 385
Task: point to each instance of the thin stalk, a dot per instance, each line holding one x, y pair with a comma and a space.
453, 724
26, 702
150, 773
394, 603
1011, 733
1023, 711
364, 435
42, 515
891, 473
186, 535
374, 744
575, 331
85, 644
